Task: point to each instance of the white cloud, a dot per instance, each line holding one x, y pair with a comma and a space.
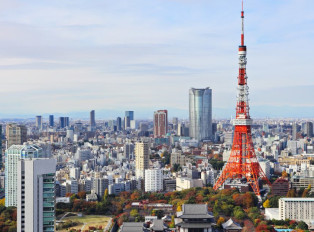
65, 56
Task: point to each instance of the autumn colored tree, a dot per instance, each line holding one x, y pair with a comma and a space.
262, 228
179, 208
105, 194
284, 174
199, 198
81, 195
134, 213
248, 226
266, 204
220, 221
172, 224
249, 200
291, 193
135, 195
2, 202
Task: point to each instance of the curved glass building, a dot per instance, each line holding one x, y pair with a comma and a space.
200, 109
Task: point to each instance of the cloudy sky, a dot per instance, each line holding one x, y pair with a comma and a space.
74, 55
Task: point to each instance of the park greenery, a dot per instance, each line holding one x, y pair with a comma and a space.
224, 204
8, 216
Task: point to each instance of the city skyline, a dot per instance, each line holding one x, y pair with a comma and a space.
73, 58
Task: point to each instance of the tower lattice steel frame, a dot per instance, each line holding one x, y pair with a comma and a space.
243, 162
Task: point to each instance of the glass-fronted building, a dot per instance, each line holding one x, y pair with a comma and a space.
12, 155
200, 112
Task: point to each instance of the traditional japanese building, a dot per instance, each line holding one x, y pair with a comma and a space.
194, 218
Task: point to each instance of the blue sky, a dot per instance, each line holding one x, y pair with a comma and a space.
74, 56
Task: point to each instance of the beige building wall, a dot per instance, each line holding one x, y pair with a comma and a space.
141, 158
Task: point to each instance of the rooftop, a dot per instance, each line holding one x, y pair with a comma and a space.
199, 211
297, 199
231, 225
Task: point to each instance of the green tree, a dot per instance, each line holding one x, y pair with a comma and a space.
302, 225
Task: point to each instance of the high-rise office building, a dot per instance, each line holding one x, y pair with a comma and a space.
127, 123
15, 134
200, 111
309, 129
35, 195
67, 121
12, 155
129, 114
141, 158
64, 122
128, 150
61, 122
92, 119
39, 122
160, 123
295, 130
119, 124
51, 121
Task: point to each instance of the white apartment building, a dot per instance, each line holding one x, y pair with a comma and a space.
153, 180
13, 154
299, 209
36, 195
265, 165
75, 173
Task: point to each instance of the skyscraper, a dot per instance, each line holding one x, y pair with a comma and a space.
295, 130
200, 110
61, 122
129, 114
160, 123
141, 158
92, 119
127, 123
119, 124
67, 121
64, 122
309, 129
35, 195
39, 122
51, 121
12, 155
15, 134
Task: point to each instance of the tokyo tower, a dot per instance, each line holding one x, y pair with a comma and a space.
243, 162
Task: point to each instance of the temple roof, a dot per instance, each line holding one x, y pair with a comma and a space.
231, 225
195, 211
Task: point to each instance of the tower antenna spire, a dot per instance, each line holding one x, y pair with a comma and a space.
242, 34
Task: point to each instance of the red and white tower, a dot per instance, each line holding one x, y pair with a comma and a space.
243, 162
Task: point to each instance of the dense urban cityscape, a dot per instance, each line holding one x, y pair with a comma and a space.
129, 174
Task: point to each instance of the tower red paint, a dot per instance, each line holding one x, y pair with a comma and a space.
243, 162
